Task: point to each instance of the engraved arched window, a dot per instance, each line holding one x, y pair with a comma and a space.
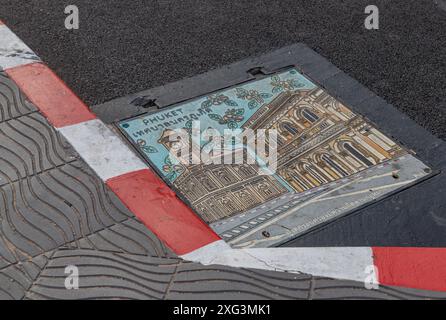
333, 164
356, 153
265, 190
228, 204
208, 183
225, 177
310, 115
314, 173
246, 171
247, 198
289, 127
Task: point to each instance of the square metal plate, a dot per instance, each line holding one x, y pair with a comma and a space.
331, 160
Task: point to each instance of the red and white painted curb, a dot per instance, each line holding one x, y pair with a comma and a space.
420, 268
157, 206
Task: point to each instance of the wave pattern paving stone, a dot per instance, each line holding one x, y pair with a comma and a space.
16, 280
105, 275
12, 102
49, 198
48, 210
112, 275
29, 145
337, 289
195, 281
130, 237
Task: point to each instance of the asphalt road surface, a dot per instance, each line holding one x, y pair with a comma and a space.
123, 47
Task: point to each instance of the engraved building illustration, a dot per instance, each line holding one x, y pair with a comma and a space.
319, 141
220, 191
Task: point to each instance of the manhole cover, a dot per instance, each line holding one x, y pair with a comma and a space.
329, 160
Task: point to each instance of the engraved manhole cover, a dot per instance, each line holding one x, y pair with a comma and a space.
330, 160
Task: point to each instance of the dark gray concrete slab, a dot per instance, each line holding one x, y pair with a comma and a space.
194, 282
324, 288
29, 145
12, 102
45, 211
104, 275
129, 236
17, 279
49, 198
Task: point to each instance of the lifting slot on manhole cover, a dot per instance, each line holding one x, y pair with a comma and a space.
145, 102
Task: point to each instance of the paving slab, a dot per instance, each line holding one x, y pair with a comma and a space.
129, 236
12, 102
50, 198
17, 279
117, 275
195, 282
104, 275
327, 289
29, 146
55, 207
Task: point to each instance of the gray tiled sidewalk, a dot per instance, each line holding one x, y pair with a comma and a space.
55, 212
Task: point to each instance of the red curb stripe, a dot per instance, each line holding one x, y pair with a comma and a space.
157, 206
420, 268
50, 94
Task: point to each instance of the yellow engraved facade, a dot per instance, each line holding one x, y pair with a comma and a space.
319, 141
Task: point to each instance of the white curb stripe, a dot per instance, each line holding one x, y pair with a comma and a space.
102, 149
13, 51
207, 253
348, 263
